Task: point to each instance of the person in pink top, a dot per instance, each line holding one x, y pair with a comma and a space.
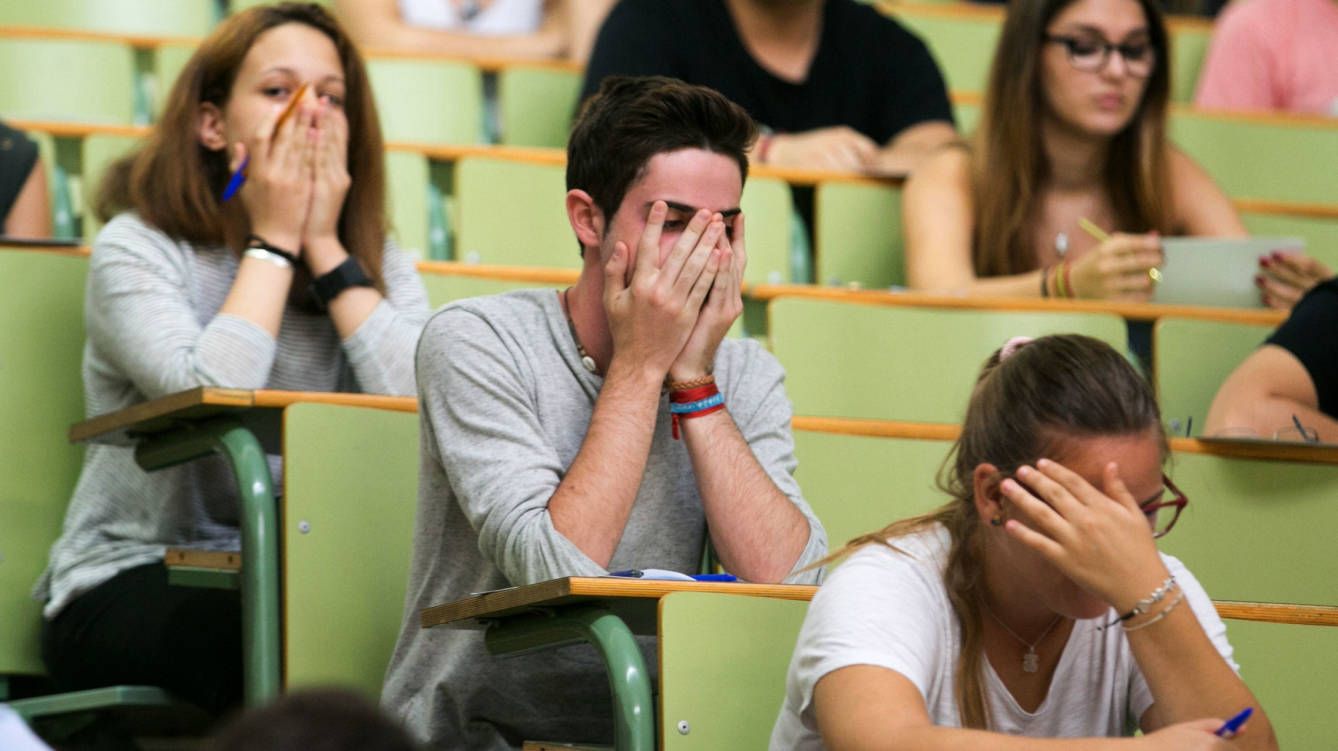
1273, 55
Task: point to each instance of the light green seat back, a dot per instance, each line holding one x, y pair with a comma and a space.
967, 114
768, 205
858, 484
350, 490
1258, 530
41, 348
512, 213
723, 660
407, 196
1290, 669
169, 59
79, 81
857, 234
902, 363
141, 17
1251, 158
962, 44
444, 288
1320, 234
1189, 46
537, 104
98, 153
1192, 358
428, 101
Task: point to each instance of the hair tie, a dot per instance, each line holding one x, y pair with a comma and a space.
1012, 346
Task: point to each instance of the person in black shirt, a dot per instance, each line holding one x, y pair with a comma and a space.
1289, 387
24, 211
833, 83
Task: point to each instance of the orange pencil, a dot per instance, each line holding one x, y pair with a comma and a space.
239, 176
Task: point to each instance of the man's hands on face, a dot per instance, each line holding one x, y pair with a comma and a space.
723, 306
653, 312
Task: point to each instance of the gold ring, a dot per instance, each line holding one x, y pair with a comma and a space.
1154, 274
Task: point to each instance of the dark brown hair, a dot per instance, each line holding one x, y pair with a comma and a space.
313, 720
1010, 166
1023, 408
174, 182
631, 119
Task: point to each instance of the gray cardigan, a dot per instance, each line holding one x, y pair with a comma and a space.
153, 328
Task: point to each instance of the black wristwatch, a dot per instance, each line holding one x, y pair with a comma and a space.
329, 286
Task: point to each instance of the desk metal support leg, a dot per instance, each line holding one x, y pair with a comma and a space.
259, 518
629, 682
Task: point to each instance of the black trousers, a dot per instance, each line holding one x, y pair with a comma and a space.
135, 629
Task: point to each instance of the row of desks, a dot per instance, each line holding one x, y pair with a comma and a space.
605, 612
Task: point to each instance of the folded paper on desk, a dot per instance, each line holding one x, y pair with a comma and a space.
1216, 271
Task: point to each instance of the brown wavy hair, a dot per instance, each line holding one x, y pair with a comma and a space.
174, 183
1010, 166
1022, 408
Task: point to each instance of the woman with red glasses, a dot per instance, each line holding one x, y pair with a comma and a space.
1035, 602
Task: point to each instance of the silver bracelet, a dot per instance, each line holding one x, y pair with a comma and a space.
1165, 611
265, 255
1142, 605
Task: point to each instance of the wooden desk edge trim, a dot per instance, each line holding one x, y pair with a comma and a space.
121, 419
1128, 311
536, 274
595, 587
1292, 452
1268, 612
272, 398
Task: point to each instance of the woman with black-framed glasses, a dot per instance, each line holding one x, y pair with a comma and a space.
1034, 603
1072, 128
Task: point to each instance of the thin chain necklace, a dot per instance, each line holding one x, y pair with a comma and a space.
586, 359
1031, 662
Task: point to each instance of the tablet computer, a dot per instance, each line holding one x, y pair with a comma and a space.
1216, 271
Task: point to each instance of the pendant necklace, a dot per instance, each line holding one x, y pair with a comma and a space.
1031, 662
586, 360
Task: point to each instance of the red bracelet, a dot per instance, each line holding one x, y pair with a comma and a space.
689, 396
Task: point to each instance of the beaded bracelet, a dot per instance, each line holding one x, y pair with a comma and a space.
1142, 605
1069, 290
1165, 611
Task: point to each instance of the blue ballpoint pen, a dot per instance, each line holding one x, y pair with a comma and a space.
1233, 724
239, 175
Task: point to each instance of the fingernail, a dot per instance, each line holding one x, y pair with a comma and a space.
1277, 255
1023, 471
1258, 281
1265, 261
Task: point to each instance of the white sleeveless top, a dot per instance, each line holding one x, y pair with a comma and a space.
491, 18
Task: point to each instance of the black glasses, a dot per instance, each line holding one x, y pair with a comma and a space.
1162, 513
1091, 55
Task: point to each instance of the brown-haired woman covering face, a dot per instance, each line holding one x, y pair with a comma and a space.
1073, 125
999, 614
179, 298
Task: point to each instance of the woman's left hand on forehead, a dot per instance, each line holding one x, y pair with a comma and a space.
1101, 540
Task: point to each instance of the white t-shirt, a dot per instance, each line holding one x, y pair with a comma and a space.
497, 18
891, 610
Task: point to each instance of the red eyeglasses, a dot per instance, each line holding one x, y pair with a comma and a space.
1162, 513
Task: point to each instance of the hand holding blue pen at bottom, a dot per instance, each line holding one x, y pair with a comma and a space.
1233, 725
